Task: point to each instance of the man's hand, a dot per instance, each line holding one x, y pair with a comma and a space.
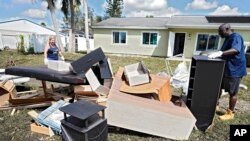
45, 61
215, 54
62, 58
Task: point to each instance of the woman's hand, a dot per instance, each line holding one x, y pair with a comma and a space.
62, 58
45, 61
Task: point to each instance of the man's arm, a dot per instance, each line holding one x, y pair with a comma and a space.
229, 52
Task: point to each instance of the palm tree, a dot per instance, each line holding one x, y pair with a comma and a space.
66, 6
86, 25
52, 9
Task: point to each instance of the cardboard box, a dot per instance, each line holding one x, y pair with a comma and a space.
41, 129
136, 74
58, 65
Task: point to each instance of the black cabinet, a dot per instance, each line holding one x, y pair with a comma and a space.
204, 88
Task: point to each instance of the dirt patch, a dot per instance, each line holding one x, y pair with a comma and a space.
241, 106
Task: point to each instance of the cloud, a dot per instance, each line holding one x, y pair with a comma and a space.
58, 4
145, 5
44, 5
158, 13
6, 6
22, 1
201, 4
227, 10
35, 13
143, 8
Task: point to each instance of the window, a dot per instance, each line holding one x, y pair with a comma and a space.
207, 42
119, 37
149, 38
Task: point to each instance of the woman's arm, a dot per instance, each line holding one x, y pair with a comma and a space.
46, 50
60, 53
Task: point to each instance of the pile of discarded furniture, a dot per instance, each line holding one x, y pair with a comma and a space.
135, 99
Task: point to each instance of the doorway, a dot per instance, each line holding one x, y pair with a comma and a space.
179, 43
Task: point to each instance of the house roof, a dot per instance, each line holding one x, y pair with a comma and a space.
208, 22
181, 21
24, 25
134, 23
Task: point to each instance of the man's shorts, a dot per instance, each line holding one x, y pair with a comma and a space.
231, 85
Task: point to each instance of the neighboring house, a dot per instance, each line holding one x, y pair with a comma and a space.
167, 36
35, 35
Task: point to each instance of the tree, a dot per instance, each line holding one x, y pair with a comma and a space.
149, 16
98, 19
43, 24
66, 6
114, 8
52, 9
86, 25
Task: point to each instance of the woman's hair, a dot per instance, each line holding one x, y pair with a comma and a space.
51, 37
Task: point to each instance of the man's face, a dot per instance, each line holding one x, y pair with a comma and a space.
222, 32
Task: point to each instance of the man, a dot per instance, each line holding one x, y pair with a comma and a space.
232, 51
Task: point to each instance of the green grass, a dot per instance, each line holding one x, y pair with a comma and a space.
17, 127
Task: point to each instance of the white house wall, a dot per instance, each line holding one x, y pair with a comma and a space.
25, 26
35, 35
103, 38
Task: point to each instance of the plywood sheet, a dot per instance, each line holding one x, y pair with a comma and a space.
147, 115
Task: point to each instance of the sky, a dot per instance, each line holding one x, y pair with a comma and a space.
36, 10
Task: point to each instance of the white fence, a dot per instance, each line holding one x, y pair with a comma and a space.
81, 44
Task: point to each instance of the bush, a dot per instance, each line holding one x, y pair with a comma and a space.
20, 47
31, 50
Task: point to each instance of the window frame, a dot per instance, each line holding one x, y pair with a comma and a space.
150, 32
119, 31
209, 34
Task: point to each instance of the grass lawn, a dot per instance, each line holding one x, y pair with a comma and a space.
17, 127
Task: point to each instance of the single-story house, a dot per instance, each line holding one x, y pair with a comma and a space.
165, 36
35, 35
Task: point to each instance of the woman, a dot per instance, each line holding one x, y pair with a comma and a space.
51, 51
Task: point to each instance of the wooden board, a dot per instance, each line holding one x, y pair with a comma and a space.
41, 129
148, 116
30, 101
21, 106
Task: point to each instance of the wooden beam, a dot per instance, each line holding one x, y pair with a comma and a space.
38, 105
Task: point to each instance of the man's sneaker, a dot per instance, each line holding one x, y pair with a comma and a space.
227, 116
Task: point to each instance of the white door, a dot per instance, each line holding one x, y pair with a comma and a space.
171, 44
